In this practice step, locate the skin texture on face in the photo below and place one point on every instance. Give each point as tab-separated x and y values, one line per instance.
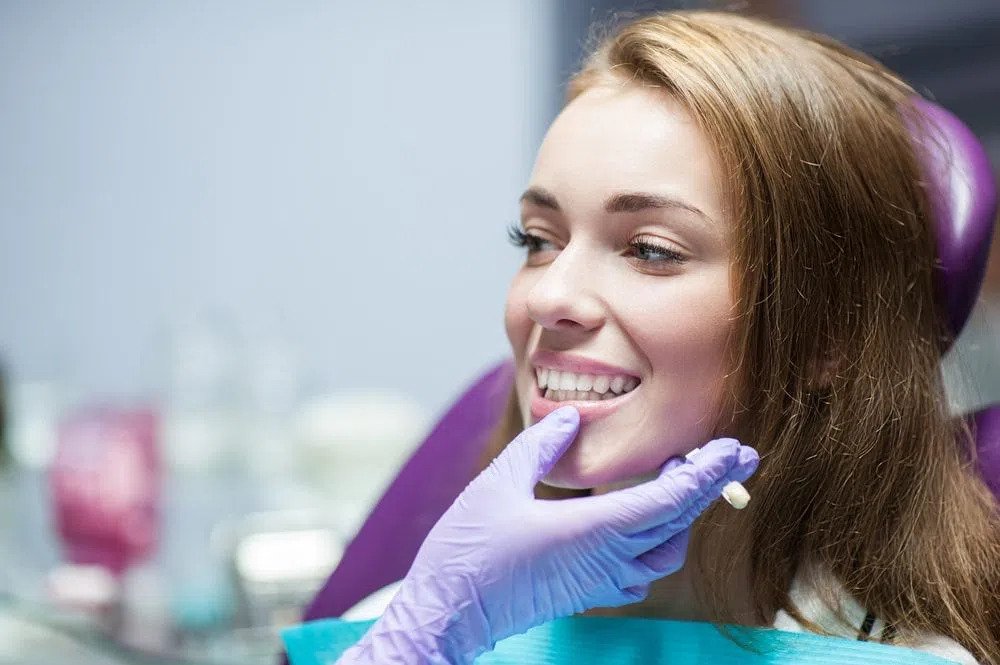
645	289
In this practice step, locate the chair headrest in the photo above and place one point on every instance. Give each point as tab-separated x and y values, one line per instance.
986	422
963	193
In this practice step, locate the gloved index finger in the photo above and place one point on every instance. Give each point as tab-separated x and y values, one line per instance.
678	489
530	456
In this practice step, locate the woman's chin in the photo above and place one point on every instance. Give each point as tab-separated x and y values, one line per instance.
576	471
566	481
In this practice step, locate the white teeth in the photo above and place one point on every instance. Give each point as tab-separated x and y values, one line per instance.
576	395
564	386
553	380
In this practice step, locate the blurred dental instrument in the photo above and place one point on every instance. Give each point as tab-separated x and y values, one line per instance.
353	443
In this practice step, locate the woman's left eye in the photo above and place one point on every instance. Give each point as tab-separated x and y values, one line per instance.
651	252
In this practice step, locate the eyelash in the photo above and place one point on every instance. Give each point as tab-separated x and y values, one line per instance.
520	238
533	243
671	255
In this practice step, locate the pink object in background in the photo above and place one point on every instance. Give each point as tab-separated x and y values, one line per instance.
104	483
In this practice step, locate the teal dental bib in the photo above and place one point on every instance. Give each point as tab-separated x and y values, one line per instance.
617	641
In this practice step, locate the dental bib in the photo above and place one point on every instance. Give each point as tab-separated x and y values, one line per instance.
619	640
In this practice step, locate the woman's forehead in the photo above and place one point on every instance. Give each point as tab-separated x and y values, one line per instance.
621	139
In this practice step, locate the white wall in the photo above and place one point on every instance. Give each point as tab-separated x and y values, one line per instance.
337	175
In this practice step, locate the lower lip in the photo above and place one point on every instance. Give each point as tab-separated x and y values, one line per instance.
590	410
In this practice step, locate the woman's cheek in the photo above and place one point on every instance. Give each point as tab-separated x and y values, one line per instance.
516	320
518	325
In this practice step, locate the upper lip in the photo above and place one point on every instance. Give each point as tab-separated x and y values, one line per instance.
568	362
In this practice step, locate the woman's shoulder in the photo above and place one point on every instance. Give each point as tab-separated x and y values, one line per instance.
846	618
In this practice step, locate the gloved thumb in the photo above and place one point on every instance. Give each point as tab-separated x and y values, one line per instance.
530	457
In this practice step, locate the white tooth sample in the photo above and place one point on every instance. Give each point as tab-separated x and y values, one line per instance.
618	384
736	495
601	383
554	379
567	381
549	393
543	377
630	383
585	382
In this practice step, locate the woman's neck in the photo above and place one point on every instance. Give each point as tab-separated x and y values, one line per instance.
672	597
676	596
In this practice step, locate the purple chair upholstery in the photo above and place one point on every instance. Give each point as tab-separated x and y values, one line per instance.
964	195
986	427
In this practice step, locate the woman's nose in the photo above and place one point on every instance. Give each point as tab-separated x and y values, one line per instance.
562	298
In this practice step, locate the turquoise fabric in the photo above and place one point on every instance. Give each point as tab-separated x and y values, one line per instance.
617	641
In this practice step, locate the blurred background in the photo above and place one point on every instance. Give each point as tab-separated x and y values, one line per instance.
249	251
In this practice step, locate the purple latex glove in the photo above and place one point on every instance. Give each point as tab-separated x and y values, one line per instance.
500	561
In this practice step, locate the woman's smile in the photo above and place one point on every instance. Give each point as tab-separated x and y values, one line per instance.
595	388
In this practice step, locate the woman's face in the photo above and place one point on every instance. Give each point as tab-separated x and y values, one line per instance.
623	306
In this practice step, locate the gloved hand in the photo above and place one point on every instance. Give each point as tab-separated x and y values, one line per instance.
499	561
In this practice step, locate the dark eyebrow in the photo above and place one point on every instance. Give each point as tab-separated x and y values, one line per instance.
638	201
622	202
541	198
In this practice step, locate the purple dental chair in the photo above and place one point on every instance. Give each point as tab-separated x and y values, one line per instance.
965	198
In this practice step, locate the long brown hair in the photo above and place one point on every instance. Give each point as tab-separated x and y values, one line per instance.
836	376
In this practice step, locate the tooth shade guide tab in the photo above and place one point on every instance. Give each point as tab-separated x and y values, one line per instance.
734	493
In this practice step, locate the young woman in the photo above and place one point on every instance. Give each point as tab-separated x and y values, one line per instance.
726	234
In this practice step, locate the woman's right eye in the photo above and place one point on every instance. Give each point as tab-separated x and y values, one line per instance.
528	240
